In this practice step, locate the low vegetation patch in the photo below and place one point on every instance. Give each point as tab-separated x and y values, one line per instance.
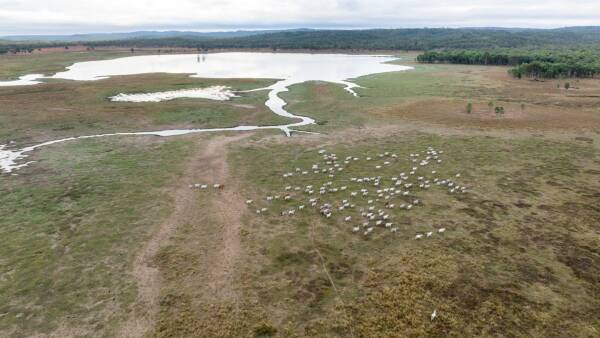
69	229
498	269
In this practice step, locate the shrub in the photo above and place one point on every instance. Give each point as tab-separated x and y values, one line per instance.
264	330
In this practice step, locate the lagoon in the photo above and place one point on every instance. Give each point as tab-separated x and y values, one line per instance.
287	68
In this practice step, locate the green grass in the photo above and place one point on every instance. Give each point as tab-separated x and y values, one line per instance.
69	231
333	107
66	108
519	257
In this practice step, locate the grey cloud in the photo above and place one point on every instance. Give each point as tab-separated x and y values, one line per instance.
76	16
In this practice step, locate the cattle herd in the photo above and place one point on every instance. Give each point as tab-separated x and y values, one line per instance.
333	189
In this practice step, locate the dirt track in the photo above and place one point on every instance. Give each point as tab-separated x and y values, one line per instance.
207	165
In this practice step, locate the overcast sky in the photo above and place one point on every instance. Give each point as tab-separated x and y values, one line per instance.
85	16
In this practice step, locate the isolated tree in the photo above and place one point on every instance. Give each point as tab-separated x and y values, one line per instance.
499	110
567	85
469	108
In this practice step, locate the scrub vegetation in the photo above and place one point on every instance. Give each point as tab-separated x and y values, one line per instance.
506	264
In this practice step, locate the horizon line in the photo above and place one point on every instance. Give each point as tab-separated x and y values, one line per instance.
242	29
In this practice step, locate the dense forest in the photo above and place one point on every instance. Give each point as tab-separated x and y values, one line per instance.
543	63
384	39
372	39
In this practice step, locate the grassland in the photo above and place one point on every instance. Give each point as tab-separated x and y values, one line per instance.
506	267
70	228
519	256
63	109
439	94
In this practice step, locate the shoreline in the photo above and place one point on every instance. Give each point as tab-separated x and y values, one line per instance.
182	50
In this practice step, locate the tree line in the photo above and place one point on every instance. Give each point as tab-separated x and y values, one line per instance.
370	39
16	48
543	63
383	39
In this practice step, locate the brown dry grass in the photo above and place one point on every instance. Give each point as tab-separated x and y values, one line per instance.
503	270
528	104
453	113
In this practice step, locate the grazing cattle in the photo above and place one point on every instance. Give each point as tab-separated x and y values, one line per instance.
399	188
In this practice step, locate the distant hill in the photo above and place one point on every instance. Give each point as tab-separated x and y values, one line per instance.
368	39
390	39
95	37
